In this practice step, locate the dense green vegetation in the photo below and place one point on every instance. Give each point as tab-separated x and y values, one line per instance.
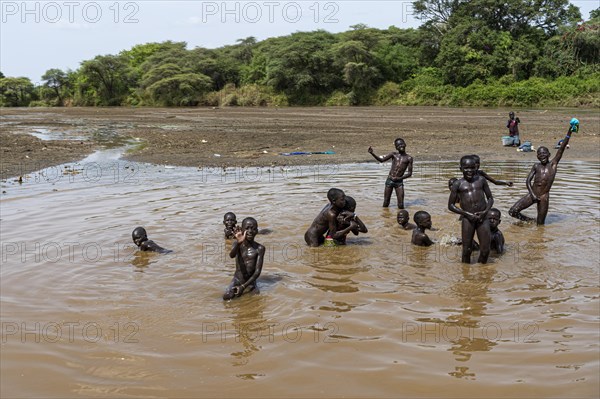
476	52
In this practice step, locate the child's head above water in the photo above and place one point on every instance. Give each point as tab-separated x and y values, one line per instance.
422	219
229	220
494	216
402	217
139	235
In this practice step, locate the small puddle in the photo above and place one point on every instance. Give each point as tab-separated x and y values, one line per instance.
48	135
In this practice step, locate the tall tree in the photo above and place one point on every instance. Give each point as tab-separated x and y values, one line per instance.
108	77
16	92
57	82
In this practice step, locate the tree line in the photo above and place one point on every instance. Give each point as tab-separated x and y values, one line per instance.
466	52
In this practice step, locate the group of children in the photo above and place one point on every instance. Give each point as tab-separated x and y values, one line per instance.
338	218
335	221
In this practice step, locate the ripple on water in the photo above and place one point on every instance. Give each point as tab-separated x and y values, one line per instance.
367	310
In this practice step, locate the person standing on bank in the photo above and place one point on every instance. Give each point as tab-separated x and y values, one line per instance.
513	128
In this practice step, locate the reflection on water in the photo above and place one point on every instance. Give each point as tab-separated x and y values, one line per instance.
249	324
85	314
472	291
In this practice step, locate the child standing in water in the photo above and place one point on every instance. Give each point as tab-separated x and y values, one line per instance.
140	238
402	167
542	175
475	197
249	257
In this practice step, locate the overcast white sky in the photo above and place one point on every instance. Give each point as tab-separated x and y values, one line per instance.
38	35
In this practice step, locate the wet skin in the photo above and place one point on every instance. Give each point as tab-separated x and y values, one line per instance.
419	237
539	182
326	221
229	220
349	222
475	197
402	168
249	257
403	219
497	243
140	238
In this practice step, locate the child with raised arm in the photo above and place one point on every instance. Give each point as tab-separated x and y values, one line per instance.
402	167
488	177
140	238
540	180
249	256
348	221
497	240
419	237
230	222
475	197
326	220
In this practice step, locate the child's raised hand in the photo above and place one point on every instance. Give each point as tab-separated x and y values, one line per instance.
370	150
240	235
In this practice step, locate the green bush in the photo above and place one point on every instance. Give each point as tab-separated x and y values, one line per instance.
568	91
388	94
338	98
250	95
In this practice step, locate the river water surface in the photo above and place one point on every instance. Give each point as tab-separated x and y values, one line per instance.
84	314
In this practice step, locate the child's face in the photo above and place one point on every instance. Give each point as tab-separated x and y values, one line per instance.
139	236
543	155
426	222
402	218
469	168
400	145
494	218
251	230
340	201
229	221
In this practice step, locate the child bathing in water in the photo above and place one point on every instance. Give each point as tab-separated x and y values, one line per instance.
348	221
419	237
140	238
249	256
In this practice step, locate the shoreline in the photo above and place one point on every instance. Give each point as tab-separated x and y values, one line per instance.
239	137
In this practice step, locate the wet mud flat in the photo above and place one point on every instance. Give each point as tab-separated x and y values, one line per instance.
259	136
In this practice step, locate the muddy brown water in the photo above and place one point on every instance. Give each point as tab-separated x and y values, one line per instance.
84	314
